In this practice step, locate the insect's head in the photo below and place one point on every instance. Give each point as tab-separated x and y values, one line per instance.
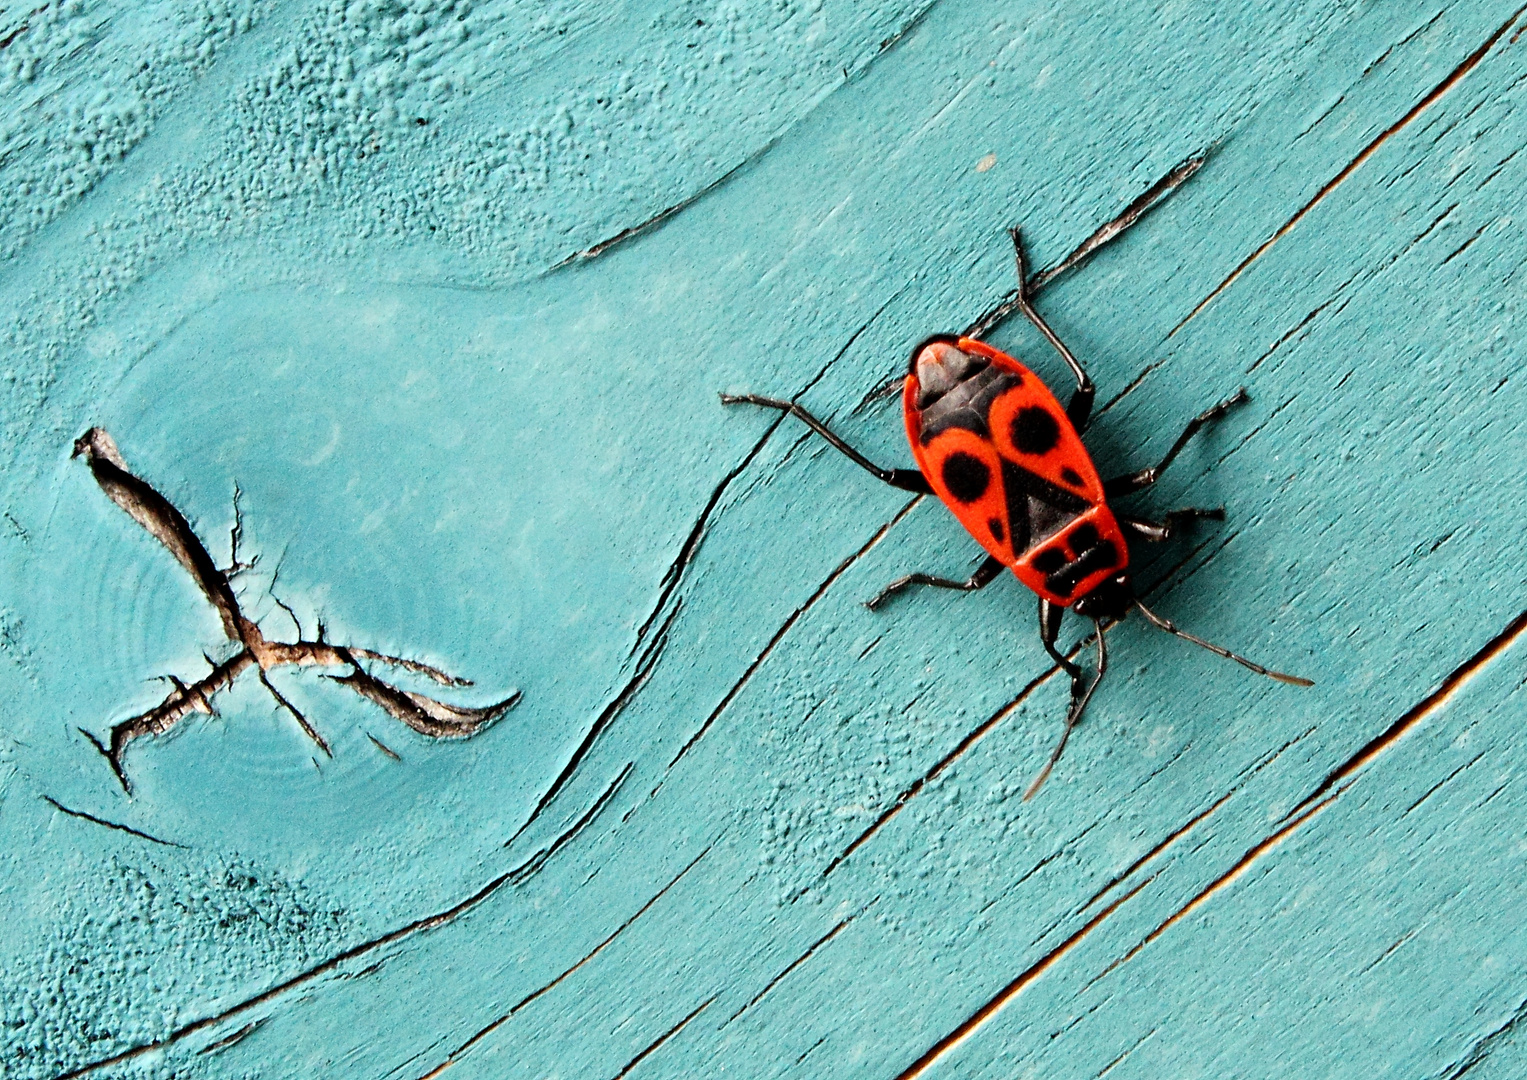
1110	600
940	366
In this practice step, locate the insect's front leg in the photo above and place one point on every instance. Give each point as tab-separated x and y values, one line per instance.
906	479
1133	482
1079	408
985	574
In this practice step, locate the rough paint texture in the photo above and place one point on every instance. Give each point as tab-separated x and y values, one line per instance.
448	291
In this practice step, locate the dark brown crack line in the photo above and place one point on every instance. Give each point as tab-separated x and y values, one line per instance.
1153	196
1310	808
61	808
607	715
228	1040
756	156
535	862
691	546
1437	92
512	877
968	1026
1481	1049
418	926
456	1054
1328	792
1413	716
799	960
661	1039
912	789
784	628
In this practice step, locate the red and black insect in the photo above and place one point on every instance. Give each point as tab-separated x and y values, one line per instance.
994	444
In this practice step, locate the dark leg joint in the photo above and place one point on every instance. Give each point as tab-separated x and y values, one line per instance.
1133	482
985	574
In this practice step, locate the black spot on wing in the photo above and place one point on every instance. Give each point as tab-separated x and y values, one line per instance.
1034	430
1071	476
1049	560
967	477
998	530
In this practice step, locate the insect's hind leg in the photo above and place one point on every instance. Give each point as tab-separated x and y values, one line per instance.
1050	616
906	479
1081	690
1139	481
1176	521
985	574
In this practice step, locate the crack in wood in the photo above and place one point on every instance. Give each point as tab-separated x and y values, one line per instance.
1481	1049
798	961
1152	197
161	520
644	668
690	548
1437	92
1386	739
633	231
61	808
514	877
784	628
663	1038
456	1054
1324	795
978	1019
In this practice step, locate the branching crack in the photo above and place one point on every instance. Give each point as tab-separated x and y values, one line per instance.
162	521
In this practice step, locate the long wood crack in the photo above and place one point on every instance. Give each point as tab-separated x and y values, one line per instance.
1337	783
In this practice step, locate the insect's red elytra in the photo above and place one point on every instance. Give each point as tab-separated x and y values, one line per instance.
1010	465
999	450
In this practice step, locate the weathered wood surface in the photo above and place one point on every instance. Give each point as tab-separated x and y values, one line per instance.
352	259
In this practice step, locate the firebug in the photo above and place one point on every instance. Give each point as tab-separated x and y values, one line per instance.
996	447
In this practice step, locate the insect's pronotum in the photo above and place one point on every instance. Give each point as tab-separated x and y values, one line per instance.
253	650
993	443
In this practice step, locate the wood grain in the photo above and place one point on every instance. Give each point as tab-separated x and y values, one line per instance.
449	293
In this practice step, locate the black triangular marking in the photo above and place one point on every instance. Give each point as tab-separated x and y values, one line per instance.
1036	508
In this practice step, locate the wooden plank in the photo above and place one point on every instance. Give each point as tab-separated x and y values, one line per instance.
799	841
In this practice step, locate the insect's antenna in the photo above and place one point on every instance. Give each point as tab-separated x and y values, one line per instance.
1165	624
1073	716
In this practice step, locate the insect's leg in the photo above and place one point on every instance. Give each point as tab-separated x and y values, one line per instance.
1175	521
1079	408
1133	482
985	574
1074	713
906	479
1050	616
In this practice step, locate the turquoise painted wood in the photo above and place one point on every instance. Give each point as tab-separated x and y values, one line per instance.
358	263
